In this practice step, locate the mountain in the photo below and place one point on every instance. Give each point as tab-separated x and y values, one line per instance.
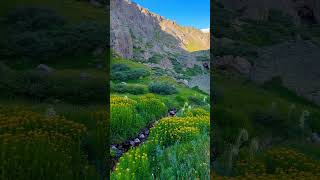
137	33
302	11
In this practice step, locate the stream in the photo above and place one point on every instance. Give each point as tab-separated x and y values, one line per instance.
122	148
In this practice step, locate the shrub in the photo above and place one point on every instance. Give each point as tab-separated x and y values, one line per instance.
129	116
197	112
124	121
67	87
120	67
169	131
162	88
129	88
151	108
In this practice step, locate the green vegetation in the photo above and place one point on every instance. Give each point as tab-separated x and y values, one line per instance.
249	116
167	150
53	118
162	88
171	139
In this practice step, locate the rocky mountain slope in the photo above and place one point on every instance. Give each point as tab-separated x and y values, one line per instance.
137	33
269	45
303	11
297	63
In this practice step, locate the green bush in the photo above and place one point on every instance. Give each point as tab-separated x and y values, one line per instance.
129	116
121	72
162	88
120	67
151	108
41	86
129	88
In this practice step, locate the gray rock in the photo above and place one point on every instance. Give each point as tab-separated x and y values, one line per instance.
45	68
315	137
132	143
117	151
183	81
241	65
146	132
137	141
141	136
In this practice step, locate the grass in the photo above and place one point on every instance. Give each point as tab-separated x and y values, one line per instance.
74	11
238	104
168	150
73	143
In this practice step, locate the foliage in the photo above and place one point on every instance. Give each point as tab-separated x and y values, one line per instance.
129	116
129	88
133	165
42	34
170	156
162	88
64	86
151	108
121	72
185	160
168	131
33	145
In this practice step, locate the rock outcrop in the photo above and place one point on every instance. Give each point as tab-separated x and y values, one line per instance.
296	63
239	64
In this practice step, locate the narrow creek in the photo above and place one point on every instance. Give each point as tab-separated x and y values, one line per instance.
124	147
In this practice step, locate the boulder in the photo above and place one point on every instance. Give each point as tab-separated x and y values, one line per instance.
315	138
183	81
146	132
137	141
241	65
141	136
45	68
117	151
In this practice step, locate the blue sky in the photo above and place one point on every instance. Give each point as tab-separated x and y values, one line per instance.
194	13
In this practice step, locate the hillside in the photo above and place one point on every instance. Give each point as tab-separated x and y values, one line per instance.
266	108
53	92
